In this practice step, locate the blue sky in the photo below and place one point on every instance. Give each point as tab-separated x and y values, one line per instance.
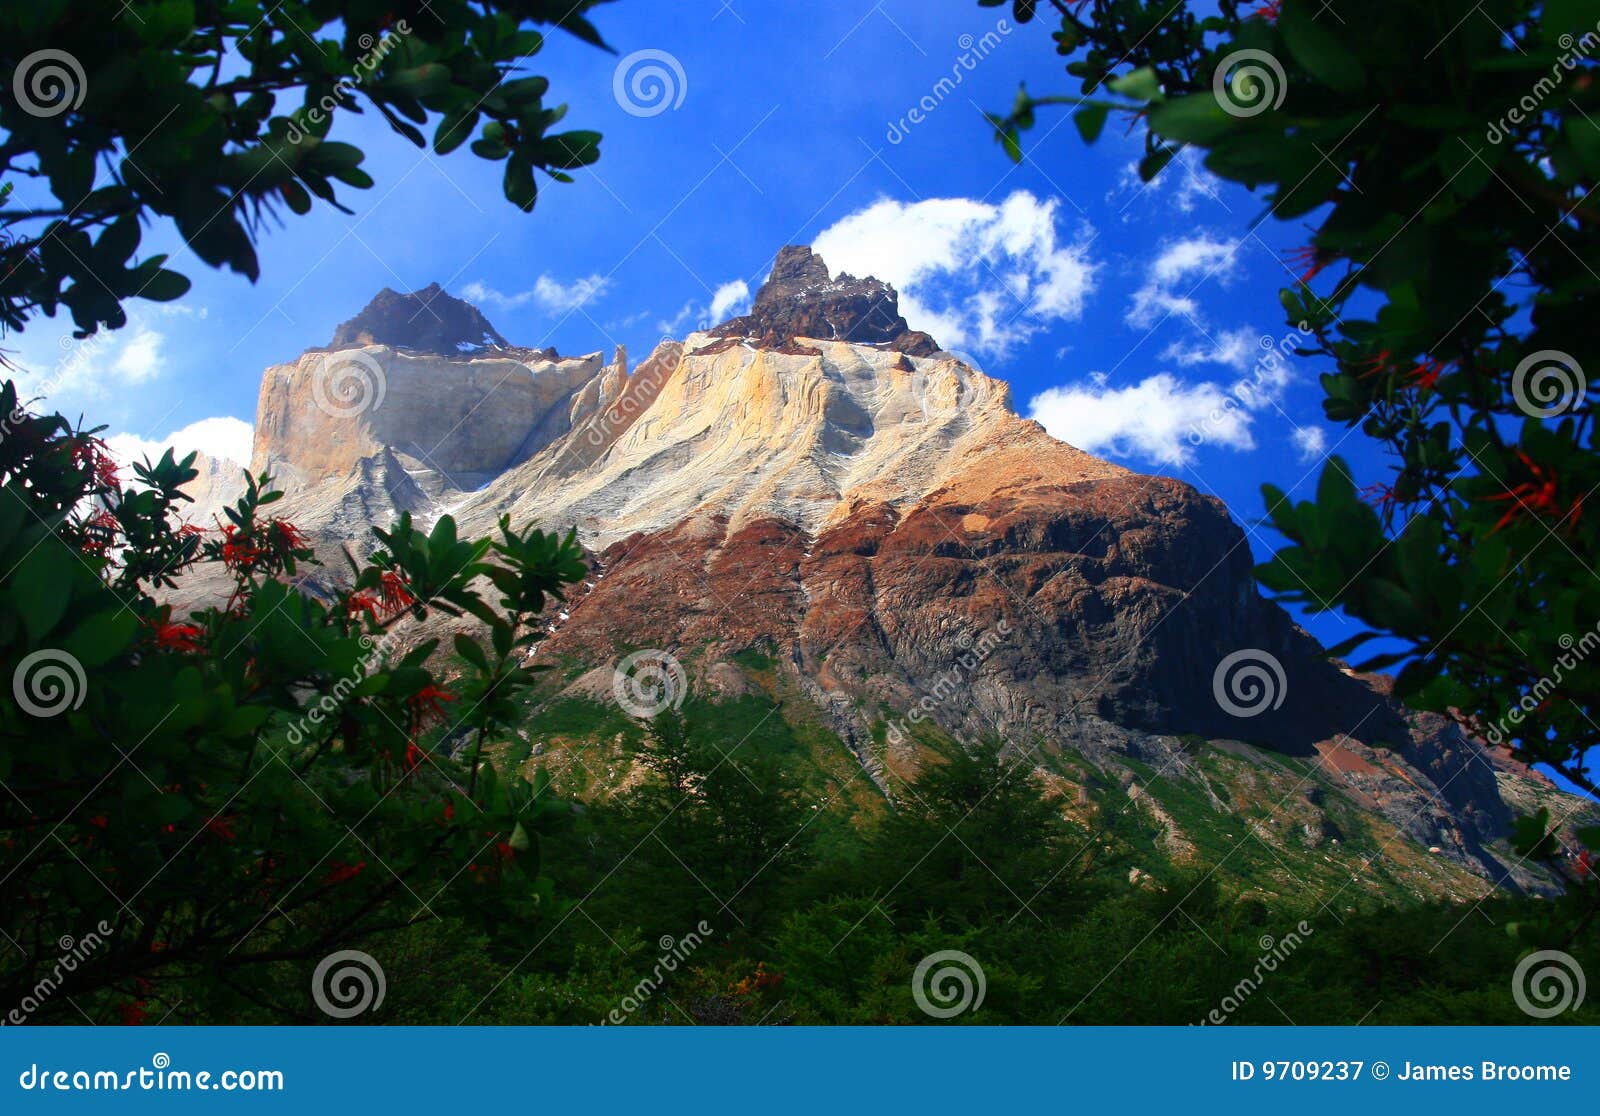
1121	314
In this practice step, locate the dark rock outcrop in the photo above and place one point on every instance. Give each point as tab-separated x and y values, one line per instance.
802	299
429	321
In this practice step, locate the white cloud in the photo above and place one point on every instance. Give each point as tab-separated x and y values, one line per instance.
690	316
222	437
548	293
1166	419
1175	274
1161	418
1185	181
65	371
1236	349
730	301
976	276
1310	441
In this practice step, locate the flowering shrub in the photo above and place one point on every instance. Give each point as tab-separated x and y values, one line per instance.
263	781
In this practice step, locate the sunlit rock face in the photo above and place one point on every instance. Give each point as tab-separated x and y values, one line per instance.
819	483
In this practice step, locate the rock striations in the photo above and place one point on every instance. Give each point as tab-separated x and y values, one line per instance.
818	484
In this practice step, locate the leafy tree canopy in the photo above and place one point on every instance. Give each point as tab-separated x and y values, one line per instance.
1447	166
216	115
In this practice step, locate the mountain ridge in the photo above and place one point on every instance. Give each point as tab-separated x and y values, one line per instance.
854	509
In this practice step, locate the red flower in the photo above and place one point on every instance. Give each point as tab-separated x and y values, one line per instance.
1313	259
1539	496
1584	864
133	1013
396	592
1378	495
449	811
222	827
190	531
100	533
343	873
99	821
505	850
1269	11
427	704
91	454
178	637
414	756
1427	373
290	534
357	603
238	553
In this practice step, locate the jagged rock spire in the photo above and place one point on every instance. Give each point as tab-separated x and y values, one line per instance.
801	298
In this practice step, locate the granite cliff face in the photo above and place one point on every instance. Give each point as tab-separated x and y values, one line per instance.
818	486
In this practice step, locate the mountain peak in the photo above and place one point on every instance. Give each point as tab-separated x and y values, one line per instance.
428	320
802	298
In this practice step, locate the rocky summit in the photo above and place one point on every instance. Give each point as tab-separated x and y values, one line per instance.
816	507
801	298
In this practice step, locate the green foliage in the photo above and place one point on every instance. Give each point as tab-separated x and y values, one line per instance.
1057	937
1457	226
217	117
251	788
